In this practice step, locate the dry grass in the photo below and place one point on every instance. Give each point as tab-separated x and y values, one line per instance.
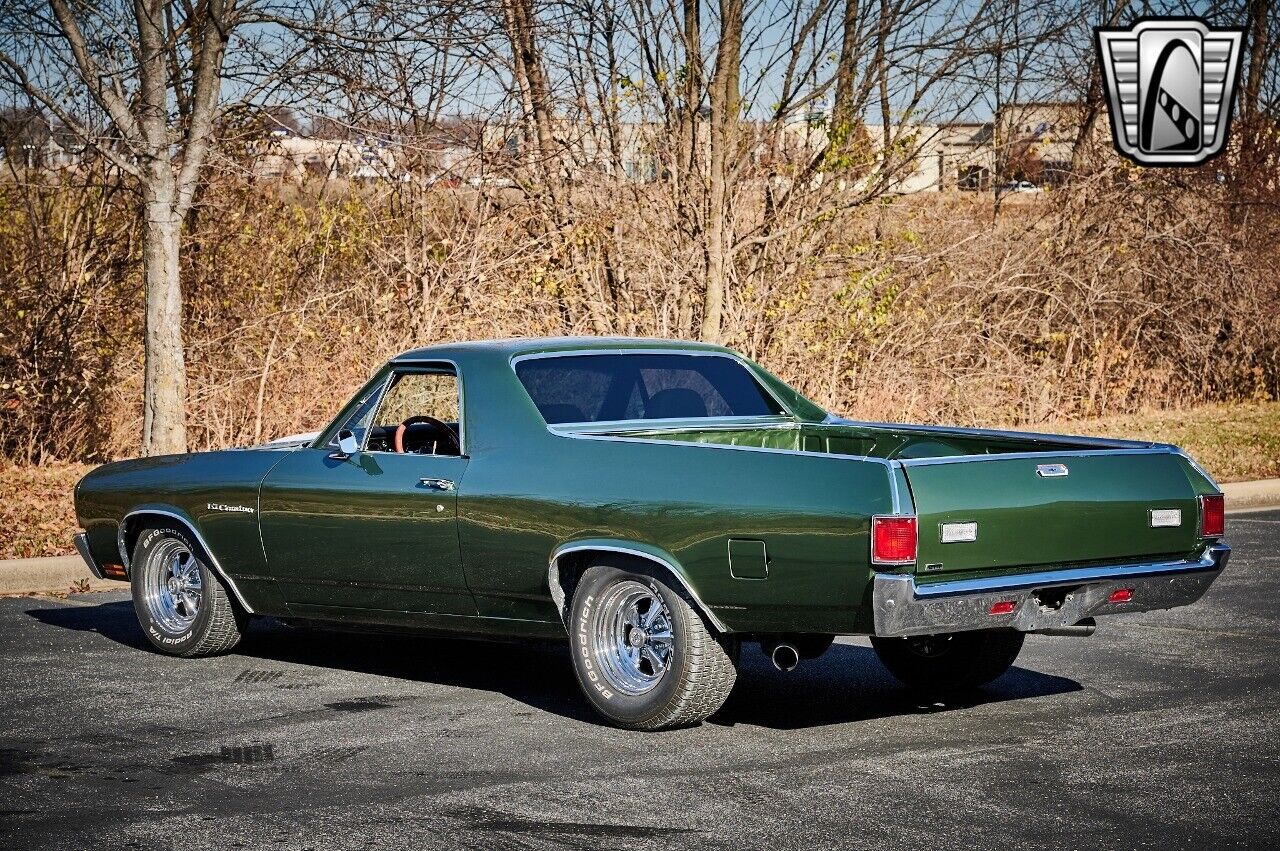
1233	442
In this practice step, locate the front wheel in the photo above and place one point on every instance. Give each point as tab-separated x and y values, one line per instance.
643	656
179	601
950	662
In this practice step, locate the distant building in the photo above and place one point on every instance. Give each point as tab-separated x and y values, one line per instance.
284	156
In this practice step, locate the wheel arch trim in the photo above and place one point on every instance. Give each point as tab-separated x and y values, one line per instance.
174	513
645	552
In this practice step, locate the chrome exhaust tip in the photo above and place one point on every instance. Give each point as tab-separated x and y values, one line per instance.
785	657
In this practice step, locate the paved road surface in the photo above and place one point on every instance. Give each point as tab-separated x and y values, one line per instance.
1161	731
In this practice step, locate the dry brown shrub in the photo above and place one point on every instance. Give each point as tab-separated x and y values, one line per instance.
1124	291
37	517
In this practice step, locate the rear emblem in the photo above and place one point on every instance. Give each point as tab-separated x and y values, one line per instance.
954	533
1051	471
1165	517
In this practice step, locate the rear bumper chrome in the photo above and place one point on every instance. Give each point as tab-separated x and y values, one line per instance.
82	547
1043	600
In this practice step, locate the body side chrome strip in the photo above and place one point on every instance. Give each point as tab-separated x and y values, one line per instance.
195	533
557	591
1069	576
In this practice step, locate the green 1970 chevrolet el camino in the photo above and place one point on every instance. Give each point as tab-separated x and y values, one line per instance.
662	503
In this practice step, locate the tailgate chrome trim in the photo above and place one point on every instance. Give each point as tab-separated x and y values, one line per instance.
901	607
1069	576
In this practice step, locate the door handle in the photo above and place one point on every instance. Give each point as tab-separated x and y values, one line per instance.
438	484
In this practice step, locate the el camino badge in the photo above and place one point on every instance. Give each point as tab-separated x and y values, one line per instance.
239	509
1051	471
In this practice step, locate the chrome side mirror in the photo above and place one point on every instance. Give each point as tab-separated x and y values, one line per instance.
347	445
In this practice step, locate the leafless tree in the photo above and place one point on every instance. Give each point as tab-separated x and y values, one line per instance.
140	84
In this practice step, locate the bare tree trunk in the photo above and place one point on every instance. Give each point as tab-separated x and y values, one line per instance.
164	428
726	104
691	94
1259	12
842	110
519	20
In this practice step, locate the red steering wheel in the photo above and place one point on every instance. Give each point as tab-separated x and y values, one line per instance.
443	434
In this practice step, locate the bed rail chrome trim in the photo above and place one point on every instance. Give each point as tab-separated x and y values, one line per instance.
1030	456
901	607
195	533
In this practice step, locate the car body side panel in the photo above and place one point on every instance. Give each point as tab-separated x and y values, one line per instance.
529	491
212	489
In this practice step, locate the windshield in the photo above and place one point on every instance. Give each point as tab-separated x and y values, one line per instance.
634	386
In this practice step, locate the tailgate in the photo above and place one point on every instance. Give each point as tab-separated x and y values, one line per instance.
1047	509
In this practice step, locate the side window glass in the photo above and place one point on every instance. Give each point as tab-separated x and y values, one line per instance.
415	394
419	414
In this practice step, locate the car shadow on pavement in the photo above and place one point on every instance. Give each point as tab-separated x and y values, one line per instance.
847	684
115	620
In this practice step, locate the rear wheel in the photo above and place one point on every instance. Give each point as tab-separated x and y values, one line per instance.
180	603
949	662
643	656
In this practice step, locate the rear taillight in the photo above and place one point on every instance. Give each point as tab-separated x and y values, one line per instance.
1213	517
893	540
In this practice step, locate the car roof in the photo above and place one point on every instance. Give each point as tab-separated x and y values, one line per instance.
515	347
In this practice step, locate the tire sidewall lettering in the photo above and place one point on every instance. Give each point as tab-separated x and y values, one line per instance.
584	649
159	636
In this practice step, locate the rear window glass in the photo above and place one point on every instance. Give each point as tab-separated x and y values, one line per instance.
608	388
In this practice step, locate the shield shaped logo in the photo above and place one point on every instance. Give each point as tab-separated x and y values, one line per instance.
1170	84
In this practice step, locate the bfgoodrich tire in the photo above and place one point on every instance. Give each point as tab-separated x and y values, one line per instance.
181	604
643	656
952	662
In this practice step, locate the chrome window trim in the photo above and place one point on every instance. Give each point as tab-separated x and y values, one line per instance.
557	591
335	426
195	533
654	350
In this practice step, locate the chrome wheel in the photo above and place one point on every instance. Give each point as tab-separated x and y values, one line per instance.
632	638
174	589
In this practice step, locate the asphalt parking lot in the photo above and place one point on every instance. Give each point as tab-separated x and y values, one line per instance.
1158	732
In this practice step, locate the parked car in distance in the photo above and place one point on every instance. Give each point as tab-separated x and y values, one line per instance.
1014	186
660	504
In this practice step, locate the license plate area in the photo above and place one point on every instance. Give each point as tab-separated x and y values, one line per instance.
1052	599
